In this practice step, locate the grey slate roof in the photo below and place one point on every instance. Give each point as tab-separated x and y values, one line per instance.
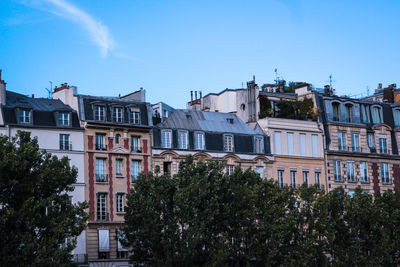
206	121
15	100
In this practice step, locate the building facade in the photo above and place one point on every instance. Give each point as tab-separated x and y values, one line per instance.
57	129
209	136
361	143
117	149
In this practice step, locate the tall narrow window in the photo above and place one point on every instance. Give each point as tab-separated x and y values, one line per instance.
371	140
63	118
305	177
183	139
24	116
100	142
385	173
355	142
135	144
349	113
199	140
166	138
122	252
100	170
302	144
134	117
64	142
396	114
120	202
99	113
376	115
228	143
259	144
314	144
229	169
280	178
118	167
102	214
117	114
318	179
260	171
290	143
135	170
104	243
342	140
117	139
293	178
336	111
365	113
383	145
337	170
350	171
363	172
277	143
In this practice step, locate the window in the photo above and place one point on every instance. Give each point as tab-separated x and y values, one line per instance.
355	142
342	140
396	115
229	169
337	170
318	179
314	144
371	140
135	144
117	114
118	167
290	143
363	172
135	170
280	178
134	117
122	252
100	142
383	145
365	113
64	142
104	244
302	144
385	173
293	178
166	138
277	142
199	140
102	214
260	171
165	113
182	139
376	115
351	193
24	116
336	111
99	113
167	165
305	177
349	113
120	202
63	118
259	144
100	170
228	143
117	139
350	171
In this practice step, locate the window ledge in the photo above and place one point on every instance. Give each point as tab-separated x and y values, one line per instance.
120	212
101	182
119	176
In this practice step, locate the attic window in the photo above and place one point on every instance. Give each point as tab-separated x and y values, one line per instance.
230	120
188	116
24	116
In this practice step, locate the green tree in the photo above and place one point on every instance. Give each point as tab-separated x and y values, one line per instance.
36	216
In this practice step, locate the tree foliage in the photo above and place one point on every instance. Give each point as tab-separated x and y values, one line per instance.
203	217
36	215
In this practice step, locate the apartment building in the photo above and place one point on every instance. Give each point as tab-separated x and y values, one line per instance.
57	129
210	136
117	149
361	143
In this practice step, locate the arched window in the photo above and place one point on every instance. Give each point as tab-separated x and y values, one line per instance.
396	115
349	113
117	139
336	111
376	114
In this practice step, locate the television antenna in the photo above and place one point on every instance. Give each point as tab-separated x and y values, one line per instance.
331	81
50	91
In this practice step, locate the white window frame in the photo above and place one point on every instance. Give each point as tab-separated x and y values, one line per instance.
317	178
293	178
135	143
385	174
135	170
64	119
342	140
101	206
350	171
229	169
260	171
280	177
104	240
383	147
337	170
396	116
314	145
101	170
120	202
166	138
24	116
364	171
183	139
199	142
118	167
64	142
259	144
277	143
355	142
290	143
99	113
134	117
371	140
305	176
228	143
302	143
376	114
118	114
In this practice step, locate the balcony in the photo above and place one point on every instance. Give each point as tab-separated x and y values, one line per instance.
101	178
103	216
101	147
66	146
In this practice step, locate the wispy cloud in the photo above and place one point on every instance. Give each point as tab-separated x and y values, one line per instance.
96	29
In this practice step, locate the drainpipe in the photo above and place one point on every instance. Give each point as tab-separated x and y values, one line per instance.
325	158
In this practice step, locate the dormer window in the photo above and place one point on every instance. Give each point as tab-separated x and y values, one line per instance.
228	143
24	116
117	114
396	114
365	113
376	115
99	113
349	112
63	119
166	138
259	144
230	120
134	117
183	139
336	111
199	140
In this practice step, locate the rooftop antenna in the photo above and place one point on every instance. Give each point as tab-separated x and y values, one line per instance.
50	91
330	80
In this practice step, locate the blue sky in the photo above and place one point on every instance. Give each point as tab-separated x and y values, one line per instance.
171	47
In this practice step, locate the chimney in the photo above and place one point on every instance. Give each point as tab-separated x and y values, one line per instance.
2	91
379	86
388	94
327	90
195	95
191	96
33	96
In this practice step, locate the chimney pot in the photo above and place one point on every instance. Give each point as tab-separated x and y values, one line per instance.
33	96
195	95
191	96
380	86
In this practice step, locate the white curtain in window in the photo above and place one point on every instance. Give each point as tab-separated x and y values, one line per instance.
314	144
104	240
